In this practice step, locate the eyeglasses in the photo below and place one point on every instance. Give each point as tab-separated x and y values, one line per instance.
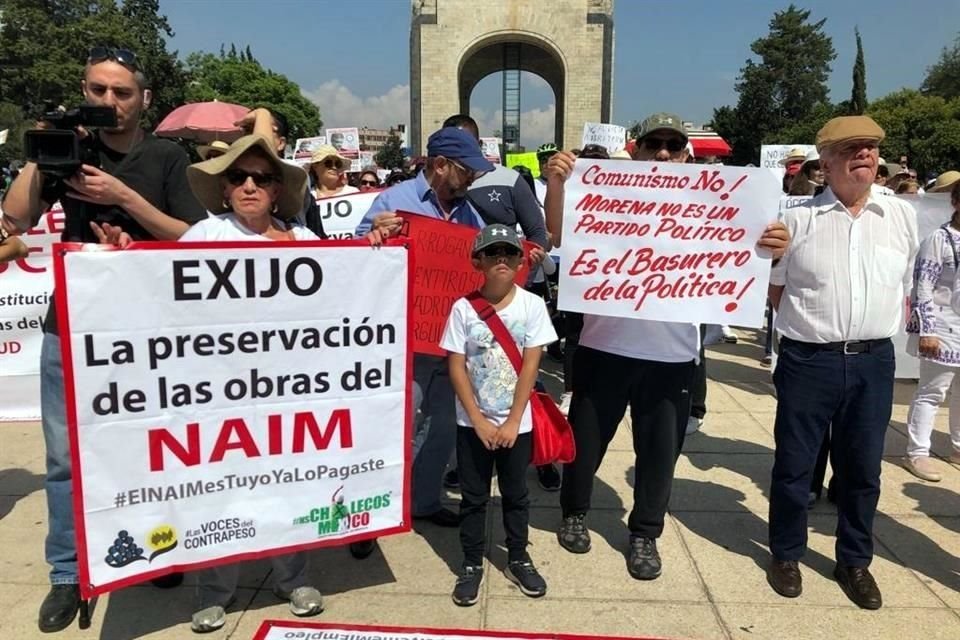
501	252
673	145
334	163
123	56
470	174
369	183
238	177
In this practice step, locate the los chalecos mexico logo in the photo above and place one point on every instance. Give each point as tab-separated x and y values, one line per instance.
343	515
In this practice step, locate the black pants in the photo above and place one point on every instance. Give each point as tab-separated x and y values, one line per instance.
698	388
657	393
573	325
475	463
852	396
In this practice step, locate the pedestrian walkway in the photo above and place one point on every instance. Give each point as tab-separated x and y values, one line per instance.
713	548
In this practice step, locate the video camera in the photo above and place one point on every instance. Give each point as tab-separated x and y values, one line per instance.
60	151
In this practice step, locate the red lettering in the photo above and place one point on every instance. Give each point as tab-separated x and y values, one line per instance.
244	440
159	438
305	421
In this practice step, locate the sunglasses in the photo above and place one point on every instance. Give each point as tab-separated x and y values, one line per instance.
123	56
595	152
238	177
368	183
501	252
334	163
673	145
469	173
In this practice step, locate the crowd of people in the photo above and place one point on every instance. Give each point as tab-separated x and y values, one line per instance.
841	264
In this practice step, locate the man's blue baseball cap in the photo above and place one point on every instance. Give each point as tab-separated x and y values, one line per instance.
457	144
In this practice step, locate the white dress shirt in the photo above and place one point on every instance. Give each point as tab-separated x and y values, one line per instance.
845	276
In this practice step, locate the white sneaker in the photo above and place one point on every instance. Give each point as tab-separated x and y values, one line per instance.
209	619
728	335
304	601
694	424
565	402
923	467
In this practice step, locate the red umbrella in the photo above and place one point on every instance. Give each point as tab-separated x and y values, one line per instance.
708	143
203	122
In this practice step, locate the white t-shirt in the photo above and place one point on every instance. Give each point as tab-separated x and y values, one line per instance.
642	339
345	190
492	376
226	227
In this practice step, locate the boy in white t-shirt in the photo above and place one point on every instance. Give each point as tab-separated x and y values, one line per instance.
493	409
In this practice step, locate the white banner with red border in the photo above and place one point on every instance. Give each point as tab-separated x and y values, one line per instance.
307	630
668	242
26	288
341	214
229	401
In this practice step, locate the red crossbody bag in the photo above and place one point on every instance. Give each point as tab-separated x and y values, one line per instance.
552	434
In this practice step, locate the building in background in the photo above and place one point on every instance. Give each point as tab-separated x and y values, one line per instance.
375	139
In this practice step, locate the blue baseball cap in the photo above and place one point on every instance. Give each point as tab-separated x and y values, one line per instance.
457	144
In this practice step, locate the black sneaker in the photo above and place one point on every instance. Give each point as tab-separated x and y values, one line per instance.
644	561
523	574
548	477
467	590
451	479
573	534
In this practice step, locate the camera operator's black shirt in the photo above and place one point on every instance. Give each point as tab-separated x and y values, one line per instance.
155	168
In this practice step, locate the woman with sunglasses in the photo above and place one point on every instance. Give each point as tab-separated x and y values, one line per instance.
369	180
328	170
254	196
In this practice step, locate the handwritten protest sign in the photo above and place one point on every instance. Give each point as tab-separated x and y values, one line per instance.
308	630
772	154
491	149
305	147
346	141
443	274
670	242
26	286
341	214
611	136
227	401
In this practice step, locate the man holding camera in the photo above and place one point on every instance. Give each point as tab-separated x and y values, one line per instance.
139	186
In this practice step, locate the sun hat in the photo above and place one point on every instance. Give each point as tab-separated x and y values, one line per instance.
812	156
204	177
217	145
945	182
843	128
797	154
324	151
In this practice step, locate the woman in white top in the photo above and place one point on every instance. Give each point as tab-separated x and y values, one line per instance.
253	194
328	169
934	329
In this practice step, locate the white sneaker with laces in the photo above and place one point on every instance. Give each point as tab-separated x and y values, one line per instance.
564	404
304	601
694	424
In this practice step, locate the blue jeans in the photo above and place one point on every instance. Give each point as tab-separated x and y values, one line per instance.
852	395
433	379
61	544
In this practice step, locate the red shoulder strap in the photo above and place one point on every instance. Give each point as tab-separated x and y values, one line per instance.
500	332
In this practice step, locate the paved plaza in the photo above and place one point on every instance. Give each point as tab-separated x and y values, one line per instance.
714	549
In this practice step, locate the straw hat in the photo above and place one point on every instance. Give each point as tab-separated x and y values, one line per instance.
944	182
217	145
204	178
796	154
324	151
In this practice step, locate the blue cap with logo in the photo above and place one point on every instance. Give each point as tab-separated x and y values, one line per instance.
457	144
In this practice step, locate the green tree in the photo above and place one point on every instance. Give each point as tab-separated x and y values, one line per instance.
784	87
44	45
11	118
924	128
391	155
858	96
943	78
230	78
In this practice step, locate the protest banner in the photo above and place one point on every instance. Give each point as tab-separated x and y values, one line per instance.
305	630
611	136
772	154
228	401
491	149
443	274
528	160
305	147
341	214
665	241
26	287
346	141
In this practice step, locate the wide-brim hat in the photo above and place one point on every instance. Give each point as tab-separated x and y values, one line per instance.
797	154
325	151
945	182
812	156
217	145
204	178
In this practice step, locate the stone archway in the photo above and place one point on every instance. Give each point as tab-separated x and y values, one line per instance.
456	43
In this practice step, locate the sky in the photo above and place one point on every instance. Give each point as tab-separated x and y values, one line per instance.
351	57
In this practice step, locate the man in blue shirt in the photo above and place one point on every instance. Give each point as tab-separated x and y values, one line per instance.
454	161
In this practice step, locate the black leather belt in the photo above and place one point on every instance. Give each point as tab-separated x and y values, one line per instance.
849	347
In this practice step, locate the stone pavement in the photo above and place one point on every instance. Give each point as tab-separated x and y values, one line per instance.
714	550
